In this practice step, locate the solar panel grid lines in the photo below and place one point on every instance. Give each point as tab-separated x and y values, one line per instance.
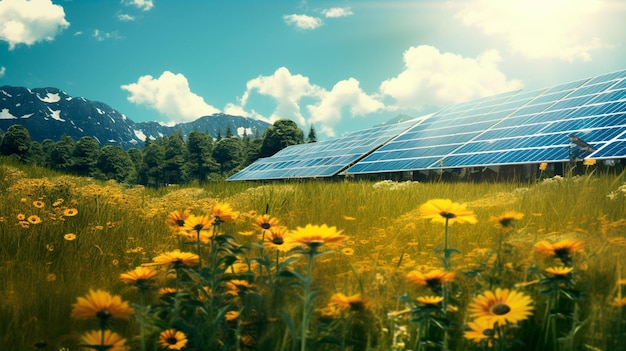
321	159
516	127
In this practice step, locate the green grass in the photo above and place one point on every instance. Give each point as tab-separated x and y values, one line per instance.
118	228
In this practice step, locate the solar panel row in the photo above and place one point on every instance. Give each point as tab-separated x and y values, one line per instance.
516	127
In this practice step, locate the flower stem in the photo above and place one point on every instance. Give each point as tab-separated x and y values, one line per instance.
307	299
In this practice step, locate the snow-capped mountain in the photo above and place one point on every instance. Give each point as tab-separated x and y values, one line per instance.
48	113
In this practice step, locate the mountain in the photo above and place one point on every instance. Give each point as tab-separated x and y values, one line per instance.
48	113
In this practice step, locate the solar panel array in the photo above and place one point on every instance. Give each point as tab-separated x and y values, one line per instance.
518	127
321	159
513	128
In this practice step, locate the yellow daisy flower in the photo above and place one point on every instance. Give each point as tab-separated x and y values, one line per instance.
444	210
315	236
222	212
39	204
176	220
95	338
354	302
564	250
432	279
69	236
480	330
501	306
177	259
138	276
265	222
197	224
70	212
559	271
34	219
507	219
618	302
172	339
100	304
429	300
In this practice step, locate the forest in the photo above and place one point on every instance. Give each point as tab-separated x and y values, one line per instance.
167	160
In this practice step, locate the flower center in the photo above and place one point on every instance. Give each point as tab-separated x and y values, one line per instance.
265	226
171	341
501	309
448	215
180	222
278	241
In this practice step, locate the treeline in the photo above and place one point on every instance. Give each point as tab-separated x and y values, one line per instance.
162	161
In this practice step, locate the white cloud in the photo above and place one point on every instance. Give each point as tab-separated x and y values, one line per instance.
29	22
434	78
170	95
345	95
303	21
337	12
539	29
145	5
3	71
286	89
124	17
100	35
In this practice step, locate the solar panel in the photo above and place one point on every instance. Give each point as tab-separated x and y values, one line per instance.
518	128
321	159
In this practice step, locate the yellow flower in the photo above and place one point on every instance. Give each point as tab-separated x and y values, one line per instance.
34	219
21	217
444	210
278	238
176	220
348	251
57	202
432	279
95	338
563	250
24	224
70	212
589	162
618	302
172	339
69	236
502	306
178	259
51	277
543	166
480	329
236	287
222	212
354	302
231	315
39	204
314	235
559	271
429	300
507	219
265	222
138	276
197	224
100	304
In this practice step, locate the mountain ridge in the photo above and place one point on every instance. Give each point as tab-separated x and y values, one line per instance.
49	113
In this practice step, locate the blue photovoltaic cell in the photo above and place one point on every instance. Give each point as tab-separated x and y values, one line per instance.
526	127
517	127
320	159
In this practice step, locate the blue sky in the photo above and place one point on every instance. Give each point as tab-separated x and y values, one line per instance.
338	65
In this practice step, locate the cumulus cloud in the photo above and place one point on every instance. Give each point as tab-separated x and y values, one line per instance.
170	95
538	29
303	21
286	89
434	78
145	5
30	21
3	71
337	12
345	95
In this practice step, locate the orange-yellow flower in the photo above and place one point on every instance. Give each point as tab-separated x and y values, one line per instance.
432	279
172	339
501	306
429	300
265	222
197	225
480	329
178	259
39	204
507	219
237	286
138	276
176	220
563	250
223	212
618	302
354	302
445	211
559	271
104	338
100	304
34	219
69	236
315	235
70	212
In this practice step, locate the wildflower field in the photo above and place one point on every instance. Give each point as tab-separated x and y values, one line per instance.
315	265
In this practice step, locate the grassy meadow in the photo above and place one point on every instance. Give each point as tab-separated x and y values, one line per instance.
61	236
